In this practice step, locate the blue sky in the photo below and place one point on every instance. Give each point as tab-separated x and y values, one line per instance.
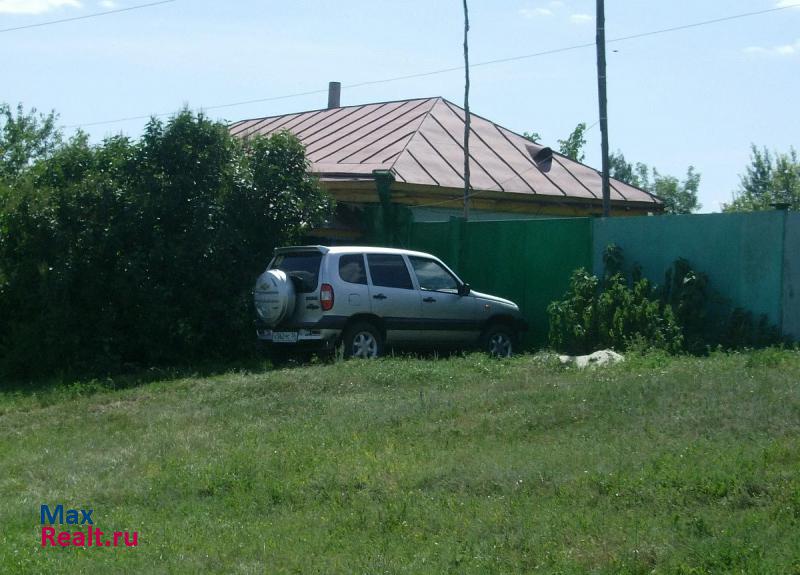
697	96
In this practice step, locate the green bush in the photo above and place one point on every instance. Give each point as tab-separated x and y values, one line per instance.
145	252
631	313
707	319
616	316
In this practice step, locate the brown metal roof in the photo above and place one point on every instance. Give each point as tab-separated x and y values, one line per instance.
420	141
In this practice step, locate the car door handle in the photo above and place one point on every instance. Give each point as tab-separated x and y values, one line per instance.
429	299
379	296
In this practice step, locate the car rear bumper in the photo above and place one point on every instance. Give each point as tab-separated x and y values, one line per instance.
278	336
323	333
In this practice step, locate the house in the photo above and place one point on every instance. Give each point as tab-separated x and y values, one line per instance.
390	163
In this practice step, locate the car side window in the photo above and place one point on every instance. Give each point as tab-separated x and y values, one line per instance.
432	276
352	269
389	270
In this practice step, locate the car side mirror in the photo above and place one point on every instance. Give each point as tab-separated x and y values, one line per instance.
463	289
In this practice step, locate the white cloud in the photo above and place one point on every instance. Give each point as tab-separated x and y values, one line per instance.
784	50
108	4
580	18
788	49
34	6
535	12
787	3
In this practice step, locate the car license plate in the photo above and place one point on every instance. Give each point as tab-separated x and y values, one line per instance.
284	336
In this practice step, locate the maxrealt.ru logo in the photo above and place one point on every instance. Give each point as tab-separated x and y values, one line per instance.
91	537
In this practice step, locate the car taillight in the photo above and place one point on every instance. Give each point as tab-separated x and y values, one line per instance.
326	297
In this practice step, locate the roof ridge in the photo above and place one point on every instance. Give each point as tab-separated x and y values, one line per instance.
231	124
416	132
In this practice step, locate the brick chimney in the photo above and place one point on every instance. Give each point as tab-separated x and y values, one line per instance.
334	93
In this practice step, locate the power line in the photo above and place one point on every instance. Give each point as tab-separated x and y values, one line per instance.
86	16
454	68
217	107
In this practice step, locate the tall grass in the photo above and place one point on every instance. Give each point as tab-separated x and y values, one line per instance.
457	465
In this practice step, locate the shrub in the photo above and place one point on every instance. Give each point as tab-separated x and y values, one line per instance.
631	313
707	319
144	252
589	318
573	320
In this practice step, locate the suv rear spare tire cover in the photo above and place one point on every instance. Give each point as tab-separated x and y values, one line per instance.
274	297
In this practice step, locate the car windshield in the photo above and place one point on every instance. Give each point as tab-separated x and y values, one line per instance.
303	267
432	276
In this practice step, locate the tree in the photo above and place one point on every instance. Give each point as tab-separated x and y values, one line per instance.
768	179
532	136
572	147
25	137
145	251
680	197
633	174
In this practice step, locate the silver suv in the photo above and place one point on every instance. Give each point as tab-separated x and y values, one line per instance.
367	298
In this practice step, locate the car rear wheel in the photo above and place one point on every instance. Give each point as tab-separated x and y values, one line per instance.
499	341
363	340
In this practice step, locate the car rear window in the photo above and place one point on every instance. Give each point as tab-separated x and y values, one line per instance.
302	266
352	270
388	270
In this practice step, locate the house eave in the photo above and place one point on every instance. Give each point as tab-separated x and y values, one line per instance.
363	191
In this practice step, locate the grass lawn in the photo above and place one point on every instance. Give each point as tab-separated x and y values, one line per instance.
458	465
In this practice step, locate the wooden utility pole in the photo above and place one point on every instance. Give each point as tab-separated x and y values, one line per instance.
601	92
466	113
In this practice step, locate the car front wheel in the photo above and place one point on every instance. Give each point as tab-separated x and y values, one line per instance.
362	340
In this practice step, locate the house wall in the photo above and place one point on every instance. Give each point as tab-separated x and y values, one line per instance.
791	277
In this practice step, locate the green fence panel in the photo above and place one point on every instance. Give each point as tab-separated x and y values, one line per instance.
431	238
752	259
742	253
529	262
791	277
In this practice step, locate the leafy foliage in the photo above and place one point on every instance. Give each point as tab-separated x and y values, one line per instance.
572	147
707	318
680	197
145	252
532	136
612	314
24	138
625	311
768	179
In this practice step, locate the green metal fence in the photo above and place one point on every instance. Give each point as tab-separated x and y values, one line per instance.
790	306
741	253
529	262
752	259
